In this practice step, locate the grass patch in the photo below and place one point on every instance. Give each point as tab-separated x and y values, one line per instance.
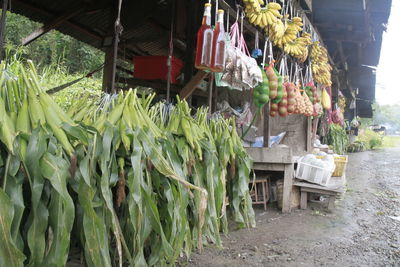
391	141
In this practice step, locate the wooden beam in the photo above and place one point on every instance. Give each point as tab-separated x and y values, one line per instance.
192	84
51	25
157	85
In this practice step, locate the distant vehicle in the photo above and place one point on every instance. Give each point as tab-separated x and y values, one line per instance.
378	128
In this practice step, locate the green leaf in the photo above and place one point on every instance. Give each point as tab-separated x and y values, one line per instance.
95	233
62	210
38	217
10	255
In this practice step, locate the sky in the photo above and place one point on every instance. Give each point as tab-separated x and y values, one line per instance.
388	72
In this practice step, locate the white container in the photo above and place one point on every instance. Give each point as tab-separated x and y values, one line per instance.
313	174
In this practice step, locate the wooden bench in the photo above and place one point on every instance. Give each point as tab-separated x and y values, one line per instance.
335	187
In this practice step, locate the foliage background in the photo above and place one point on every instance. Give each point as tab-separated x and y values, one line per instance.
53	48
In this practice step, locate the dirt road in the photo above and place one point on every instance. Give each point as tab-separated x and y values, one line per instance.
364	229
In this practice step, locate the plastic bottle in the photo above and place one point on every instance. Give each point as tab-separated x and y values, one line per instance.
204	41
219	41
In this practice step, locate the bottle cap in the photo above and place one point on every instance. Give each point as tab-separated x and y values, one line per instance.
220	11
207	4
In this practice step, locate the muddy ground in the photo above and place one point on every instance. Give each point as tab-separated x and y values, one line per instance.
363	230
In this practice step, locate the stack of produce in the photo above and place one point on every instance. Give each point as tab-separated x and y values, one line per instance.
261	92
291	93
273	80
283	104
312	92
115	183
309	109
300	106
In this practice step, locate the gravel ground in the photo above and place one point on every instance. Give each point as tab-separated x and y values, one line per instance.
363	230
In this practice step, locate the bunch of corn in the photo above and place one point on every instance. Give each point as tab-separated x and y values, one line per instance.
120	181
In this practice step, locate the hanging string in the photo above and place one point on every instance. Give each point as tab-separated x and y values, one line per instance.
271	54
265	52
256	41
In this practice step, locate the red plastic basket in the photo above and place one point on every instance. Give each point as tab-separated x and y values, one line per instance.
155	68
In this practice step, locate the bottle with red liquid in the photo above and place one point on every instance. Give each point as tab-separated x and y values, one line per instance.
204	41
218	49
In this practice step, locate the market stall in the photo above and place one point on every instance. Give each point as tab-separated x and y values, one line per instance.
224	89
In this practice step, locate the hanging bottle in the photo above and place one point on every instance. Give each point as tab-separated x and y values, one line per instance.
218	49
204	41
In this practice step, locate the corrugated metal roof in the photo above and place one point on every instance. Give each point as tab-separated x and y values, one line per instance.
95	22
357	27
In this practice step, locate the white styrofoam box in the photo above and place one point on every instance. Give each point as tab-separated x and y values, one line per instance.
313	174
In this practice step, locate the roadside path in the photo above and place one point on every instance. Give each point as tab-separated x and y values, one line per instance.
364	229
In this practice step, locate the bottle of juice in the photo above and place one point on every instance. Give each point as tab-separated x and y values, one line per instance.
218	49
204	41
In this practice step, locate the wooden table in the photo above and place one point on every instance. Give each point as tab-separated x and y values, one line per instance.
278	158
334	188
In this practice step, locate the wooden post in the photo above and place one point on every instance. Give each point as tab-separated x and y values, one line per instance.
3	26
267	126
287	188
193	24
210	92
309	135
108	69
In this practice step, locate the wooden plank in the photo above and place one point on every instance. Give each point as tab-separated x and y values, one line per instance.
287	188
310	186
192	84
319	191
269	166
51	25
276	154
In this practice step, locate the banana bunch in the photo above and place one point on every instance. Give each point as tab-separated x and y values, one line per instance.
299	47
263	17
291	29
320	64
253	6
